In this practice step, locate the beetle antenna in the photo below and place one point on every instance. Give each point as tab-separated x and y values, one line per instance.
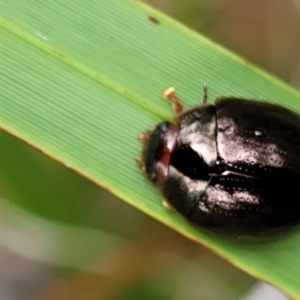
205	93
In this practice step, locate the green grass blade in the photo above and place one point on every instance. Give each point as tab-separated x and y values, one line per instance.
80	80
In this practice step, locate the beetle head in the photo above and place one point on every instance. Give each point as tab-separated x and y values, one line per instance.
158	146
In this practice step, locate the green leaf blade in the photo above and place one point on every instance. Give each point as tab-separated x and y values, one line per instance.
81	81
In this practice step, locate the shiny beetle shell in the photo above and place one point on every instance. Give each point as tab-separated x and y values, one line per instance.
231	167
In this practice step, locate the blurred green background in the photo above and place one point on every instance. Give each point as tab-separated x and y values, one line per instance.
103	248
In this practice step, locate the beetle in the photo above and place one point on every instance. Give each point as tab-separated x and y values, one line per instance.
231	167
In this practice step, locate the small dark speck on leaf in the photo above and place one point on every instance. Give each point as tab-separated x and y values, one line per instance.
153	20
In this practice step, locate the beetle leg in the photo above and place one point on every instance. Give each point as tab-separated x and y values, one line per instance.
170	95
145	136
140	162
205	93
167	205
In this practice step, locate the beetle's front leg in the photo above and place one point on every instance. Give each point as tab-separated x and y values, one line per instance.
170	95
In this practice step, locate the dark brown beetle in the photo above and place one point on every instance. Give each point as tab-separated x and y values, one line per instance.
231	167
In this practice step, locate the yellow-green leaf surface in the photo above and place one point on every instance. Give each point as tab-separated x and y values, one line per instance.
80	80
